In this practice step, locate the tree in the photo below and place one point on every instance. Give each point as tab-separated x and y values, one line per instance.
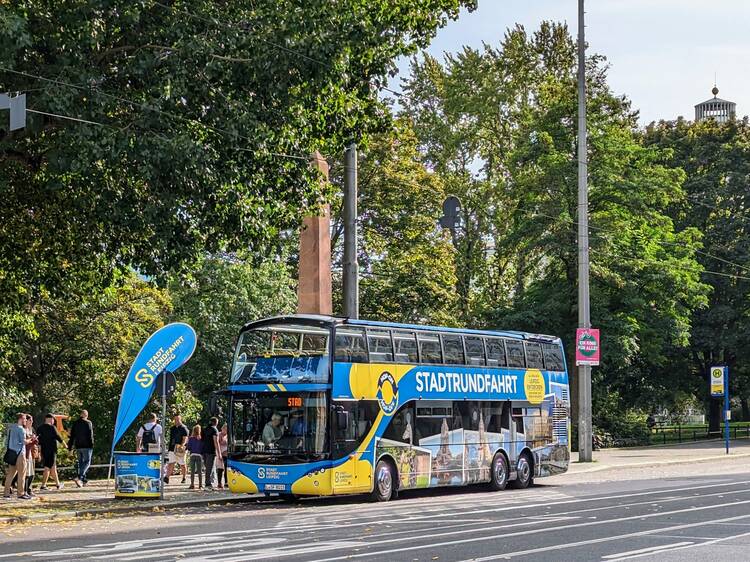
499	127
80	348
716	160
186	127
217	299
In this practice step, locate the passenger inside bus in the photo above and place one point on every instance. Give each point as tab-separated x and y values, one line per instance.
273	430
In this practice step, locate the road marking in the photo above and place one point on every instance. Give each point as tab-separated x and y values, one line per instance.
201	540
607	539
649	550
278	552
707	543
546	530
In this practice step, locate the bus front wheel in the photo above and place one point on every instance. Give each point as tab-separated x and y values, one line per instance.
499	476
384	480
524	473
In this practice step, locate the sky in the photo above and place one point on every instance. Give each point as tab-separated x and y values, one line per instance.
663	54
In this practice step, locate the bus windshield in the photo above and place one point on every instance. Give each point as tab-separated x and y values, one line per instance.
285	353
284	424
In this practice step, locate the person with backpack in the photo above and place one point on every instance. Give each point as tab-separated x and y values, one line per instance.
149	434
82	438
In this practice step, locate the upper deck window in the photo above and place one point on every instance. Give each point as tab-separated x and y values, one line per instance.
350	345
429	348
495	352
553	357
285	353
516	357
405	346
474	350
380	344
534	356
453	349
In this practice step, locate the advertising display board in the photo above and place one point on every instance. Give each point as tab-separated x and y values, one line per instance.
137	475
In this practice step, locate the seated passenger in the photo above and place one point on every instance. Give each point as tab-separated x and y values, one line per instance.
273	431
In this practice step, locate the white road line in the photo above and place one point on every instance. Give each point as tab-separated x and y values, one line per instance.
648	550
707	543
605	539
545	530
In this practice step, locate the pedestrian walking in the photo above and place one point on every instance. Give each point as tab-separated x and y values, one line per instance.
149	435
211	450
49	437
32	454
178	437
82	439
221	467
15	458
195	448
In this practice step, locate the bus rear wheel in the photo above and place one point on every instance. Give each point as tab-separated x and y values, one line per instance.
524	474
499	474
384	479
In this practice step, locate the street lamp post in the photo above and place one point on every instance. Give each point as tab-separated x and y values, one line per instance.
585	435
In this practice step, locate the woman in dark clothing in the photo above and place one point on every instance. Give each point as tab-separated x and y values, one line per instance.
49	437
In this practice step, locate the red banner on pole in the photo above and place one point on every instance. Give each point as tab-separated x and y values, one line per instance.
587	346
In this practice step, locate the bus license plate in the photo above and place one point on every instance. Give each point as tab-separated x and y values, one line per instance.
276	487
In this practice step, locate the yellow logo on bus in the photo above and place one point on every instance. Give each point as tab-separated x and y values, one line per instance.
387	393
533	385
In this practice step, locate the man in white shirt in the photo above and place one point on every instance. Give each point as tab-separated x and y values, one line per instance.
149	436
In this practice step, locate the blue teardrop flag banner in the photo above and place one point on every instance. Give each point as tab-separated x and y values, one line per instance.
168	349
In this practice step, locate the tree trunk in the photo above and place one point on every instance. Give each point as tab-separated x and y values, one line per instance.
745	408
714	416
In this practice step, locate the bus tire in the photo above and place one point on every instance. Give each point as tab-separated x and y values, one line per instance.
385	479
524	472
499	472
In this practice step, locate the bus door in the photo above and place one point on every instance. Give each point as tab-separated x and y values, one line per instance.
353	457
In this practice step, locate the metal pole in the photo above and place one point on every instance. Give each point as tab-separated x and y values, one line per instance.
727	412
585	435
163	420
351	267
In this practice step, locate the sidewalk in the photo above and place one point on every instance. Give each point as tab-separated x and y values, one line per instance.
97	499
656	455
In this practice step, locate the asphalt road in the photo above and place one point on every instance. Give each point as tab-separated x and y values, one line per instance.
693	517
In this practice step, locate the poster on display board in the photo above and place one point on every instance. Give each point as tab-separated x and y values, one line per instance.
587	346
137	475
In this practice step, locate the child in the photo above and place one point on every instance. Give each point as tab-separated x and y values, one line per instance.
195	448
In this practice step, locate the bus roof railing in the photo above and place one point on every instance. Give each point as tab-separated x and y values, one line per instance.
320	319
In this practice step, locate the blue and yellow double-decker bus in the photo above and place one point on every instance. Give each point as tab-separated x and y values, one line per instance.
320	405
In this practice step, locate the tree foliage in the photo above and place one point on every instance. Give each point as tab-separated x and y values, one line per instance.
498	125
716	159
207	112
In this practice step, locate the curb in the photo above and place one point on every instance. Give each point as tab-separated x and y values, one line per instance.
65	515
647	464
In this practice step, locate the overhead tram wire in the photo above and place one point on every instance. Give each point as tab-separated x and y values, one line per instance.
147	107
70	118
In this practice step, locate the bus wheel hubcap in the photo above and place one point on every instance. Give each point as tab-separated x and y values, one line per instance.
384	481
499	471
523	469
